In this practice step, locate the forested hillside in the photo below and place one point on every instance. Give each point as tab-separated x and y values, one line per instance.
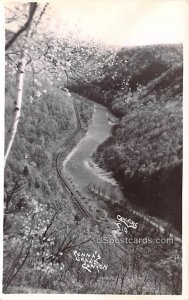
82	216
143	87
36	206
40	228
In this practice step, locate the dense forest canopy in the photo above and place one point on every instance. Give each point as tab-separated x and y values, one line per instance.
144	88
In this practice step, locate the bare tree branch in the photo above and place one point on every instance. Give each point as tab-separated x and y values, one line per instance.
32	10
41	14
50	223
71	68
67	78
22	263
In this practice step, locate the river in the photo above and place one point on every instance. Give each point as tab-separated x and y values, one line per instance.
84	172
79	164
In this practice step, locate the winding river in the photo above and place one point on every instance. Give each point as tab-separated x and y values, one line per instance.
79	164
85	172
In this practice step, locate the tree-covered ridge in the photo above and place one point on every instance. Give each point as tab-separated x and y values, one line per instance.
143	87
131	68
40	231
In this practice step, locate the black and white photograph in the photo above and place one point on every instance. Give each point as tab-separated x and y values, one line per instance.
93	147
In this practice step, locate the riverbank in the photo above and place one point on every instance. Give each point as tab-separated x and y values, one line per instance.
78	163
78	167
145	149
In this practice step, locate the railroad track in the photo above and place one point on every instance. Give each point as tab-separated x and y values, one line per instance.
76	199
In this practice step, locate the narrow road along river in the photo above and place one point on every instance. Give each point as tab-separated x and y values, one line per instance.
78	162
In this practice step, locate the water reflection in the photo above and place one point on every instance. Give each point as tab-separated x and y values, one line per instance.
78	162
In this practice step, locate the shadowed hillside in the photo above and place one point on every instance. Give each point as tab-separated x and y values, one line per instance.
143	87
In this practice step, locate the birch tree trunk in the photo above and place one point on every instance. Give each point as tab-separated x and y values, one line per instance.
18	102
20	84
21	71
